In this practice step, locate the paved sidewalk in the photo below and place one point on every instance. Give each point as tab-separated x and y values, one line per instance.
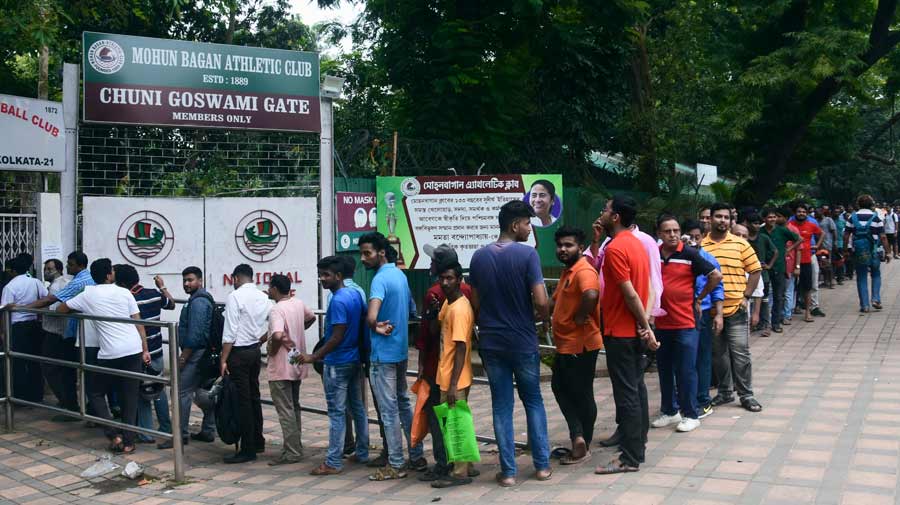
829	434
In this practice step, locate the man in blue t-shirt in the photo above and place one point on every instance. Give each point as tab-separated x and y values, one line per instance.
507	288
388	320
340	352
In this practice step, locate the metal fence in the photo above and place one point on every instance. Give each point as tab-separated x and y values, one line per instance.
9	400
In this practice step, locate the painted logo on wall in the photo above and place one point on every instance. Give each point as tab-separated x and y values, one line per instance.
106	56
145	238
261	236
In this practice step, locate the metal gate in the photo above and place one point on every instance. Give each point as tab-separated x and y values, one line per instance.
18	234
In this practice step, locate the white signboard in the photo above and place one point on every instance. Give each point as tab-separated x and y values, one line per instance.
33	135
706	174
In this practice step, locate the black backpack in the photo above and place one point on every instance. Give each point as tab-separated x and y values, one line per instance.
227	411
209	366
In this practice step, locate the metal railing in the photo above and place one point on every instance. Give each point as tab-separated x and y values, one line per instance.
8	355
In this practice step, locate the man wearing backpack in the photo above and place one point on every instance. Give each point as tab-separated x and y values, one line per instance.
867	229
194	335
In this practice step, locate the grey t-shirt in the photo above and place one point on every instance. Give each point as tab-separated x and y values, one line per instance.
829	232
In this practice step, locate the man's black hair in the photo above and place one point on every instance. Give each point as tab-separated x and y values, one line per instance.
690	224
547	184
768	210
801	204
390	254
22	263
79	258
244	270
56	264
626	207
719	206
195	271
281	283
349	265
376	240
333	264
126	276
513	210
569	231
455	266
752	217
665	216
100	269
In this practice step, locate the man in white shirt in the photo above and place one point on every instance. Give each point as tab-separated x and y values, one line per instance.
25	334
61	379
123	346
246	322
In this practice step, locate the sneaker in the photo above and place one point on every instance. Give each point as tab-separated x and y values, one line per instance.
687	424
705	411
817	312
665	420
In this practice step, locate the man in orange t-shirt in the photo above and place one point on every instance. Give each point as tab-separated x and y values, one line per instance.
576	333
626	331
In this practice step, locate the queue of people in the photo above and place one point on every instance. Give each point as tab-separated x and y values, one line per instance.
691	296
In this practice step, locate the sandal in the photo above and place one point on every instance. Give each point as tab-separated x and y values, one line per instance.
808	319
128	449
569	460
751	404
450	481
324	469
505	480
116	444
876	305
615	467
387	473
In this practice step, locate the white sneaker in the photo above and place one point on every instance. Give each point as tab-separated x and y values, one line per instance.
687	424
664	420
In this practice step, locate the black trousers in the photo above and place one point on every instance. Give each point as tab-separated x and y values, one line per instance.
244	367
28	383
127	391
573	387
623	359
441	465
62	380
779	285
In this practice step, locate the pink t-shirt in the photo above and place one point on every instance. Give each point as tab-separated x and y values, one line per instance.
288	316
652	249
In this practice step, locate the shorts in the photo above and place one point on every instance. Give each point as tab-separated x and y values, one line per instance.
806	280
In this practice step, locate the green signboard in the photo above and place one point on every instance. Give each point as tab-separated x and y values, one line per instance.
140	80
416	213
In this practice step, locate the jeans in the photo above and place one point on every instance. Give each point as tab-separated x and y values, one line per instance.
731	356
790	291
501	367
128	391
343	393
777	293
390	388
573	387
161	404
676	360
441	465
244	367
27	381
862	282
189	378
704	358
286	399
62	380
623	360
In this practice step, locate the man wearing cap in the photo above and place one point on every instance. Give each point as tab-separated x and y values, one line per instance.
428	343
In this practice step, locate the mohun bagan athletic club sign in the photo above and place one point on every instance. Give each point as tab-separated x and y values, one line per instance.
145	238
261	236
140	80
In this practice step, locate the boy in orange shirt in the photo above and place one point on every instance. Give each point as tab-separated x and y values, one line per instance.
576	334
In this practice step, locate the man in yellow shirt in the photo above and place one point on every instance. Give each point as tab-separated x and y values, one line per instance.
454	376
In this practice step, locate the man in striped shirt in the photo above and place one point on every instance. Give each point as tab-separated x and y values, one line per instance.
741	271
150	303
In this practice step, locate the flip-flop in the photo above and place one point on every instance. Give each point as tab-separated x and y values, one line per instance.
560	452
451	481
808	320
615	468
569	460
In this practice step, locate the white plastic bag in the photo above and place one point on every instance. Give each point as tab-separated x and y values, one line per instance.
103	466
132	470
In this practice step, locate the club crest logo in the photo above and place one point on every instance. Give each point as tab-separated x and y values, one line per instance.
106	56
261	236
145	238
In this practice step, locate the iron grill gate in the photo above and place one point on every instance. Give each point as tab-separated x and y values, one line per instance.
18	234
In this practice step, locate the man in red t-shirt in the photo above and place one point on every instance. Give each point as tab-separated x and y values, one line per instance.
807	230
677	330
428	343
626	330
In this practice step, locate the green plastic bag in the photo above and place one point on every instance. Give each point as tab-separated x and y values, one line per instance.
458	430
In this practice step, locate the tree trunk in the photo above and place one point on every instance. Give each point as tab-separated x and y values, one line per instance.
642	115
44	73
232	22
783	142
